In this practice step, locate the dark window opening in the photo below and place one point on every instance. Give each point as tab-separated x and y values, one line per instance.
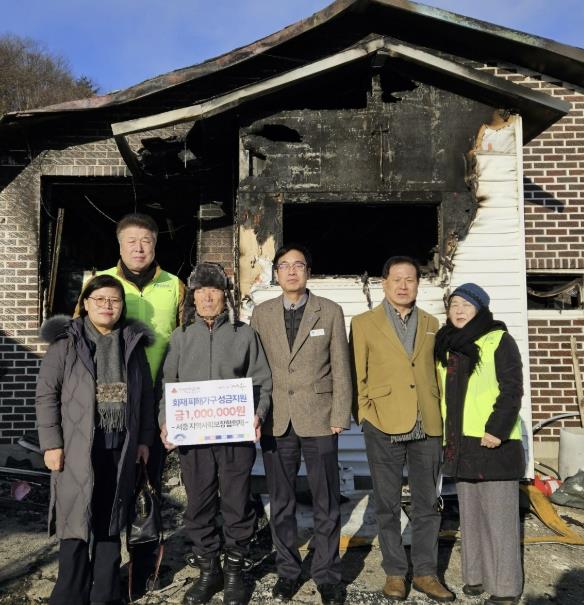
88	239
555	291
351	238
278	132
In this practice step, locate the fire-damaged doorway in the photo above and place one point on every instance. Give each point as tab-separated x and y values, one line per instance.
77	231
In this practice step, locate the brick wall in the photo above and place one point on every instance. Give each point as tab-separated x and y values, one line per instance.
19	350
554	181
553	387
20	208
554	190
215	240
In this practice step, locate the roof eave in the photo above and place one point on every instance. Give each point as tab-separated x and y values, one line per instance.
541	109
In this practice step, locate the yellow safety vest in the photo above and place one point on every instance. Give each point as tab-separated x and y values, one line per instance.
482	390
156	305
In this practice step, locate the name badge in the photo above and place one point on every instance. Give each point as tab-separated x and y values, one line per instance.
319	332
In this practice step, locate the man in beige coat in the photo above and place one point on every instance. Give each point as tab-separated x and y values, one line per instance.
304	339
397	403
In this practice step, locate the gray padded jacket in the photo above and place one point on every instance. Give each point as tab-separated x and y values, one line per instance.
200	353
65	406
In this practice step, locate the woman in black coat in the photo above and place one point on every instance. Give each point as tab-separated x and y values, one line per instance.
95	416
479	373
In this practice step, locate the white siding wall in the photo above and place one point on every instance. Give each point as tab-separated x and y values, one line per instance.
492	255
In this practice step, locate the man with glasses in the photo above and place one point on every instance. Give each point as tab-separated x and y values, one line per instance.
155	297
305	342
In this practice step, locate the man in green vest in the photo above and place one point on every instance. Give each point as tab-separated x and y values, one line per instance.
153	295
156	298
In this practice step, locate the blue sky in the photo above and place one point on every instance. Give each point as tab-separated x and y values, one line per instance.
122	42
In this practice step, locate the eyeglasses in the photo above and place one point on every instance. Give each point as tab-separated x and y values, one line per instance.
102	301
297	266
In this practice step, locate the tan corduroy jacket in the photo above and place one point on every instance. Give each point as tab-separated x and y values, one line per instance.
312	383
389	386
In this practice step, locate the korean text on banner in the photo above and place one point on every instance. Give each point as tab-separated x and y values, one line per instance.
210	411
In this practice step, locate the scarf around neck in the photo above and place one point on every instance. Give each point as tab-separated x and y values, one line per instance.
462	340
111	389
142	279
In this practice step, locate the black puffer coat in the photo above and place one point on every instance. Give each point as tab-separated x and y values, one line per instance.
65	406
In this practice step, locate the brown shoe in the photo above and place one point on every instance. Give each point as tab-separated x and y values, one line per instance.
395	588
433	588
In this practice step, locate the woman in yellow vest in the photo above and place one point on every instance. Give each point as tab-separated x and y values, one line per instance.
479	374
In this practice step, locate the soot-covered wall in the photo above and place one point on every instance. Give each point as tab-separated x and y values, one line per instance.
360	137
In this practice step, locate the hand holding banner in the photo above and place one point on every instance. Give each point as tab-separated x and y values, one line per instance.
210	411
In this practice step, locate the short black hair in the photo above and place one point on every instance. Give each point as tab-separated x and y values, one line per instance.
137	219
102	281
292	246
400	260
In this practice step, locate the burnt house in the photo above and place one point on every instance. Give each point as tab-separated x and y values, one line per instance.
372	128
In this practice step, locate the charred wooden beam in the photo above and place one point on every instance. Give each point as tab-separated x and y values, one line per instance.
544	108
235	98
129	156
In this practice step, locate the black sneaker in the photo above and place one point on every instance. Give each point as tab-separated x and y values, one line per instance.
332	594
284	589
473	590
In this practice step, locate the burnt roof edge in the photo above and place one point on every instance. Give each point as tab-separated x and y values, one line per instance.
180	76
544	109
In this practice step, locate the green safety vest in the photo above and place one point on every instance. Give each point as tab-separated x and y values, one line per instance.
156	305
482	390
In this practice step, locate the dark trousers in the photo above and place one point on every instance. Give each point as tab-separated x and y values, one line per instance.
386	462
83	578
208	470
282	462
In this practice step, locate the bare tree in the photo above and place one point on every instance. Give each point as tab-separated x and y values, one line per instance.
31	76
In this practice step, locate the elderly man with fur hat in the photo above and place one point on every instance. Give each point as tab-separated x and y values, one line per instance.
213	345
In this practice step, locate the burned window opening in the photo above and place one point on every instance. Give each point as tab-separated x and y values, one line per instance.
88	235
278	132
559	292
354	238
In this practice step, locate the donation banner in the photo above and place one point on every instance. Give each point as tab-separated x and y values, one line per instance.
210	411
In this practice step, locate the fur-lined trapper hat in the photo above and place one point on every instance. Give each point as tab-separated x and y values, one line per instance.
208	275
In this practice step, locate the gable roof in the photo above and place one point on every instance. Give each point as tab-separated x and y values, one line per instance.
539	110
334	28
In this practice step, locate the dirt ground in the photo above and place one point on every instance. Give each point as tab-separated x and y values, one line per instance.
554	573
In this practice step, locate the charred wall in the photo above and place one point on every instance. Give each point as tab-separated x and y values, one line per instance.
362	137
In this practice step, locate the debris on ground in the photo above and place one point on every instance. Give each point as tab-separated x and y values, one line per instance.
554	573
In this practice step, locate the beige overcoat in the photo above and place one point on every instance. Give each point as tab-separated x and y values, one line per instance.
312	383
389	385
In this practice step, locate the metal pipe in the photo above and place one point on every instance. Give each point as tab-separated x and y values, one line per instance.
540	425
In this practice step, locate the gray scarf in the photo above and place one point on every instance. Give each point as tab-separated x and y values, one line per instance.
405	328
111	389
